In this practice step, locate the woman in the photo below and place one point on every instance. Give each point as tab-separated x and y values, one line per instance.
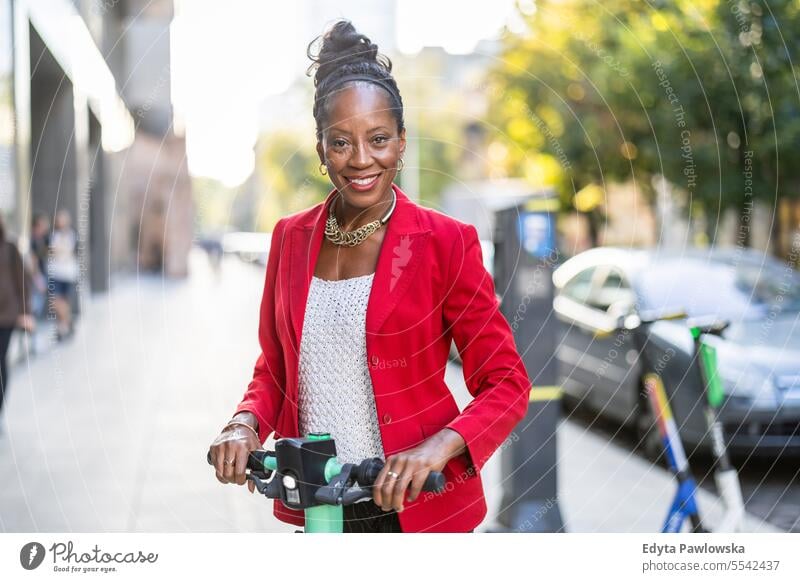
14	303
40	245
62	272
379	287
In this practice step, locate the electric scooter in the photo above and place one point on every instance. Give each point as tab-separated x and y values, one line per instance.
725	474
305	474
684	505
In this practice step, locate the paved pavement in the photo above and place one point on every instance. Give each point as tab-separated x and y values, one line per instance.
109	432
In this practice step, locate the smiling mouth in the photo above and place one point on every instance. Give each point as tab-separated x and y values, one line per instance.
363	181
363	184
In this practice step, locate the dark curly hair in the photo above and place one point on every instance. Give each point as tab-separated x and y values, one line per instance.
345	56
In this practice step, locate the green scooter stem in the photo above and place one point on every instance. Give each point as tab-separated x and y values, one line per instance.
710	376
725	475
325	518
715	396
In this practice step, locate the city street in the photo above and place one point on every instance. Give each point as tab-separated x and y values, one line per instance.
109	432
589	207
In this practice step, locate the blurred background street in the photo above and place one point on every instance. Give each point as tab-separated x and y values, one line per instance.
620	160
109	433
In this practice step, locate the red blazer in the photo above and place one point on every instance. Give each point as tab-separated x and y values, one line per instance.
430	287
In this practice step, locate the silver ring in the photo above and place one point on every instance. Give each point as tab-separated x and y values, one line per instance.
392	474
228	461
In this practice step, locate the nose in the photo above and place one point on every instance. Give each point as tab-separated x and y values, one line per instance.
361	157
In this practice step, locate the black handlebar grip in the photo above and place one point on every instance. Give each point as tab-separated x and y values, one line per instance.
368	470
435	482
255	460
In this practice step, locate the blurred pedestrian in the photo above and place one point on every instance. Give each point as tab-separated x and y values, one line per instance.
14	303
40	244
62	272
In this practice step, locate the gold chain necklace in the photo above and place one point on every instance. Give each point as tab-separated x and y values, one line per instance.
353	237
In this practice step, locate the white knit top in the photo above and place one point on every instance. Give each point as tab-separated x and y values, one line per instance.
336	393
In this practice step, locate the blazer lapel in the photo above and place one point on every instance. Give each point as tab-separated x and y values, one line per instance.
401	252
306	242
400	255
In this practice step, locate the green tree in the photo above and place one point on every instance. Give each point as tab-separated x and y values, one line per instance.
624	89
288	167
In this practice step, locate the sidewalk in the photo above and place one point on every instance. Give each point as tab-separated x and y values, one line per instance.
109	432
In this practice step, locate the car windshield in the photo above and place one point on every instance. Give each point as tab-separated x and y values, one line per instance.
720	288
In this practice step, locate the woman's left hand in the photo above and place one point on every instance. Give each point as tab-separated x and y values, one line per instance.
407	471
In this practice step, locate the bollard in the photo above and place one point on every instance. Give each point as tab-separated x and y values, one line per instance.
529	466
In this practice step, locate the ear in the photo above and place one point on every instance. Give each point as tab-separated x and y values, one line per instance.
402	140
320	152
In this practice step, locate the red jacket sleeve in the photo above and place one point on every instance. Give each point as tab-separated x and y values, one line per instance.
493	370
264	394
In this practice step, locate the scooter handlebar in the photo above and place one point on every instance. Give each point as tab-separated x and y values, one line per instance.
368	471
255	460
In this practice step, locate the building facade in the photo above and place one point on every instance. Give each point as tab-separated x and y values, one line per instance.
83	84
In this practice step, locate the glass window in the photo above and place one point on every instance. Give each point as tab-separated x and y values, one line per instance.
724	289
579	287
614	290
7	118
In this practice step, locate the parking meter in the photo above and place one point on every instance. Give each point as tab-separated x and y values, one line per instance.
525	257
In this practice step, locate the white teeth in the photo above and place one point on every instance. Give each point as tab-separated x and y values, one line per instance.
364	181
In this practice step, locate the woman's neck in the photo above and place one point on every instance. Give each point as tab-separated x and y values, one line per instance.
352	217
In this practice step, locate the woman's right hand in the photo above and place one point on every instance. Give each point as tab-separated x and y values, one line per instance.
26	322
229	453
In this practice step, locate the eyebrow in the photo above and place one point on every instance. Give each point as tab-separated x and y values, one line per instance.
373	130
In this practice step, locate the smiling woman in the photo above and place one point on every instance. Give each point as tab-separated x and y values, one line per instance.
361	135
367	278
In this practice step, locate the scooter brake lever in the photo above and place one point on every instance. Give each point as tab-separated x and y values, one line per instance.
260	480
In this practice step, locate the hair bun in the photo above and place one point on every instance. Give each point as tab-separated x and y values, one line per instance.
342	45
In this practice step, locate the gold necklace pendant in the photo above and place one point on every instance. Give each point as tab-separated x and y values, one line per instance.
337	236
352	238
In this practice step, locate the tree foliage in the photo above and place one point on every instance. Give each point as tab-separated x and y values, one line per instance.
697	91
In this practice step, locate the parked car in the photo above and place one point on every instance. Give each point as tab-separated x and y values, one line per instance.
758	355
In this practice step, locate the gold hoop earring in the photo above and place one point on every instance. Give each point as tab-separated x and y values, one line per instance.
321	171
400	164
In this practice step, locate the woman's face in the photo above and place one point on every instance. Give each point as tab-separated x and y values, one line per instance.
361	145
62	219
41	226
